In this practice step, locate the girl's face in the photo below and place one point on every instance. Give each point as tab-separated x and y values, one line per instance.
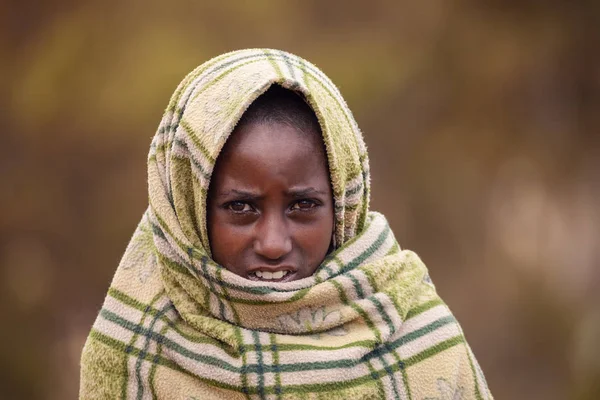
270	205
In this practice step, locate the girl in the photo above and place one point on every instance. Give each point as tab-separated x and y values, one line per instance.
257	270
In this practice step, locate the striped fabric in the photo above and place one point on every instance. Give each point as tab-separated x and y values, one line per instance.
175	325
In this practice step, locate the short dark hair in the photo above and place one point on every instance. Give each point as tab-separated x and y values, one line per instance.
280	105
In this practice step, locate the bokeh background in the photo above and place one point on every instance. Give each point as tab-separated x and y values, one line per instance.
482	119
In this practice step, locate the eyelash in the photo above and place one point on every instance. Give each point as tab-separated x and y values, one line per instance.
229	205
312	205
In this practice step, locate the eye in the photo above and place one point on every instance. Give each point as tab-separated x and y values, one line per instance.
239	207
304	205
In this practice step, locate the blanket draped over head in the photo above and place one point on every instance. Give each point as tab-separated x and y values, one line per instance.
175	325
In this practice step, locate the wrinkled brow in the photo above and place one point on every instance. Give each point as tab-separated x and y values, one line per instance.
241	193
304	192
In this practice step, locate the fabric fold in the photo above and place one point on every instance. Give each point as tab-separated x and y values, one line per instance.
176	325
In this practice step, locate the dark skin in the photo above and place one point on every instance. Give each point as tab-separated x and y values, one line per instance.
270	205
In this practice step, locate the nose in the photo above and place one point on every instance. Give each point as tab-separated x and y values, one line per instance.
273	240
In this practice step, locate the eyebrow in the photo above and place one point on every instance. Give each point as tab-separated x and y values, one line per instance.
241	193
296	193
303	192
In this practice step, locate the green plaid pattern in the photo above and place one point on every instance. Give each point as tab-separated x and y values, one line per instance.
367	324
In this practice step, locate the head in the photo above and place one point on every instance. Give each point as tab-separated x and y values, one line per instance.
270	208
214	143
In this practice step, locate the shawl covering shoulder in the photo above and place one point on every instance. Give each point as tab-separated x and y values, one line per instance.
368	324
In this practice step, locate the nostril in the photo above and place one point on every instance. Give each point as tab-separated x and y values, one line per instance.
273	249
273	239
273	246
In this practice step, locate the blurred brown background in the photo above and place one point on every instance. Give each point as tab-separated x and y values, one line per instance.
482	119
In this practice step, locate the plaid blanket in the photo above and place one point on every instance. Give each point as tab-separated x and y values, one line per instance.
175	325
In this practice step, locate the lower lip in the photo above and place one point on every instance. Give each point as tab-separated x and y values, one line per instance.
290	276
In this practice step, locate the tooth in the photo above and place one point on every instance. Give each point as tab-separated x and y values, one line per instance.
259	274
267	275
278	274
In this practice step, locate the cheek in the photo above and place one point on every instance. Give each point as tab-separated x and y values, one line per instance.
315	241
226	243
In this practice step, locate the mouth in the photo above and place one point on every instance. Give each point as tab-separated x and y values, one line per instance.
270	275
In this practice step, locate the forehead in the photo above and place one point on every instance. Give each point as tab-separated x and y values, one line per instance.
271	154
265	140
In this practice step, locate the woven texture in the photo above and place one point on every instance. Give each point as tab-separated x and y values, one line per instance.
175	325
